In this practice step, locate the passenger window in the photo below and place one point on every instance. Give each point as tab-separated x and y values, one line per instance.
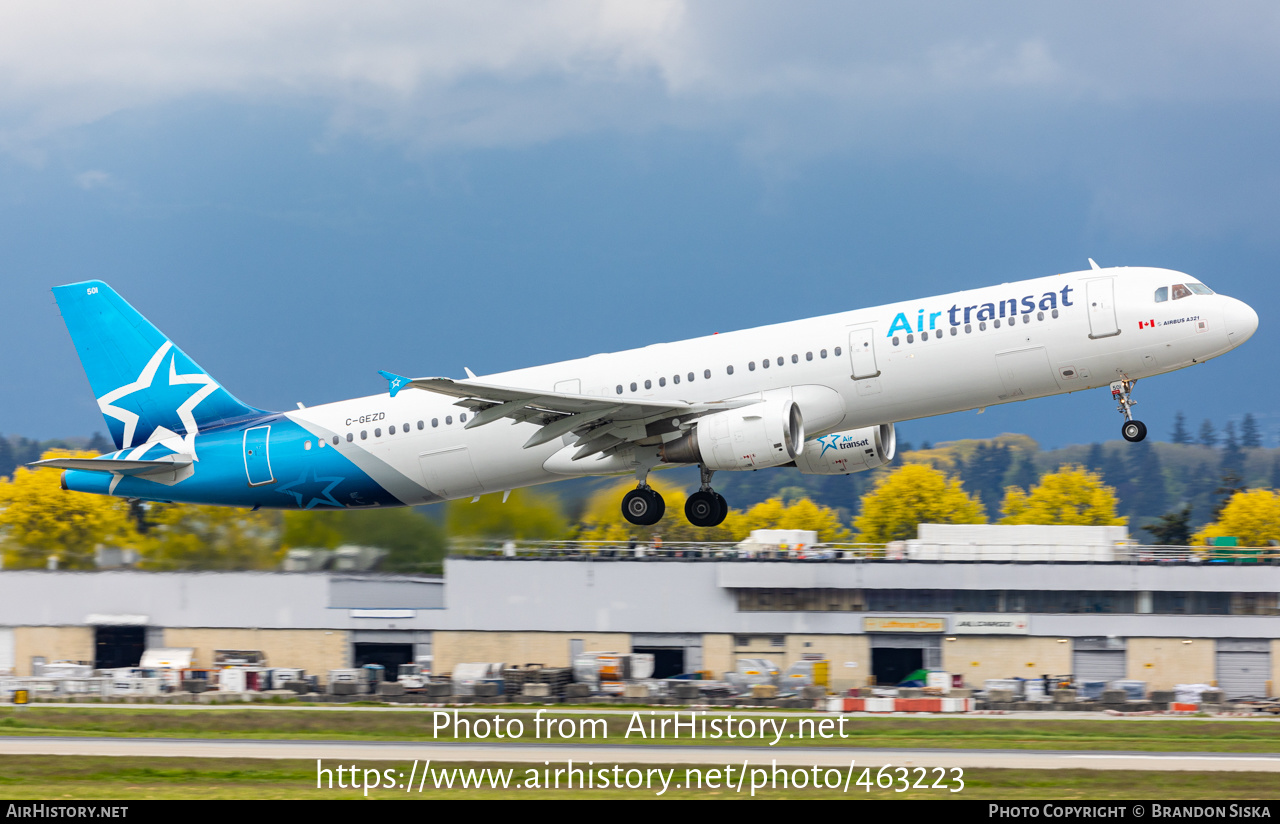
648	384
633	386
795	358
1180	291
350	437
953	332
448	420
751	366
364	434
462	418
1162	294
336	440
822	354
320	443
1039	315
306	445
1055	313
420	426
968	327
728	370
997	323
377	433
837	350
619	389
765	363
780	361
391	430
911	338
662	381
706	374
924	336
406	427
808	356
895	340
1026	318
982	327
435	422
675	378
691	377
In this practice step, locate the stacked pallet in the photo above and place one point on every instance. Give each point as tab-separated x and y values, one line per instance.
557	677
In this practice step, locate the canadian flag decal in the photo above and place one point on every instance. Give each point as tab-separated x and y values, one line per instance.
1146	324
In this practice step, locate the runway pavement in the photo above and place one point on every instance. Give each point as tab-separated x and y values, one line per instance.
351	751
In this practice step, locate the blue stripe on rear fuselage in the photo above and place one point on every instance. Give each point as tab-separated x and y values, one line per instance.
317	478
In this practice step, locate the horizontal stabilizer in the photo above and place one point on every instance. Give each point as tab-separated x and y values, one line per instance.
114	465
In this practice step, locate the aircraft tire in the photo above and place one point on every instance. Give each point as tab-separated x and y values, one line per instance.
643	507
1133	431
723	509
702	509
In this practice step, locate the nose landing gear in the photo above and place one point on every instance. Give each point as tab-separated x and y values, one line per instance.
706	507
1121	391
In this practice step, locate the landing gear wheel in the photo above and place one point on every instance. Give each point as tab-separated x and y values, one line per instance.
1133	431
643	507
724	509
703	508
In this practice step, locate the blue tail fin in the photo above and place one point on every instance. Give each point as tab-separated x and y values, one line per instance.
147	388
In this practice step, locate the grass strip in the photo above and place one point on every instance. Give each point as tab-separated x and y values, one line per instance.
81	778
1193	735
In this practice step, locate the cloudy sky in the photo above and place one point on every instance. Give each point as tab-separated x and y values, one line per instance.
302	193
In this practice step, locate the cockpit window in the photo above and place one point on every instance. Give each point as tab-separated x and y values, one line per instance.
1199	289
1162	294
1180	291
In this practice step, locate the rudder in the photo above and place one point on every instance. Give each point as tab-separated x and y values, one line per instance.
147	388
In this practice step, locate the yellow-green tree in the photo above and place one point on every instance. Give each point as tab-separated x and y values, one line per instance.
414	542
801	513
911	495
526	515
189	536
603	521
1252	516
38	519
1072	495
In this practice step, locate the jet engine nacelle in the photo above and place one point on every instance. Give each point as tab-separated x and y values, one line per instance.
853	450
763	434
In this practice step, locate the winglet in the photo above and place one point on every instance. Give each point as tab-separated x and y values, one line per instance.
1094	266
395	382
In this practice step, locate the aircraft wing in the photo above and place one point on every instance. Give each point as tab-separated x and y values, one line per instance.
601	423
113	465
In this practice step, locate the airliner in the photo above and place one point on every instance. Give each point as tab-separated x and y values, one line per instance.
821	395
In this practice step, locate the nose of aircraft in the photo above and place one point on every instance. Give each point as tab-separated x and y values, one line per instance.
1240	320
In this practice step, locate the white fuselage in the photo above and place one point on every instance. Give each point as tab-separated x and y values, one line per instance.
848	370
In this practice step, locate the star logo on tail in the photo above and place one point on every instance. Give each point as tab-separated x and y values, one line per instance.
168	404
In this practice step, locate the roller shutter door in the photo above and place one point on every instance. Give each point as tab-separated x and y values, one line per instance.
1243	667
1098	664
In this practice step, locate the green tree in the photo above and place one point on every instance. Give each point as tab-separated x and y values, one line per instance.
526	515
911	495
38	519
1173	528
1180	433
1072	495
414	543
1251	516
190	536
1208	435
1250	437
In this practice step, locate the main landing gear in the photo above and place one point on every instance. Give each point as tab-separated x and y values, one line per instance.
643	506
1133	431
706	507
